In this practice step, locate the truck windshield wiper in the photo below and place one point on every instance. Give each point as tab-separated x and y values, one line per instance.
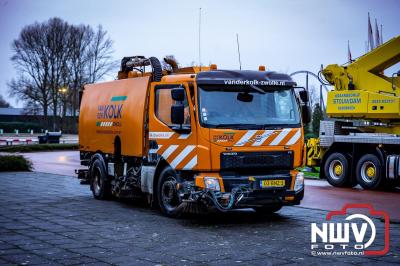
276	127
240	126
257	89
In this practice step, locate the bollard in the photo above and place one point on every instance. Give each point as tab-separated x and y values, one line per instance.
1	132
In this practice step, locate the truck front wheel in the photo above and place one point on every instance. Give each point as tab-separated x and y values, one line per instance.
369	172
99	184
168	198
337	170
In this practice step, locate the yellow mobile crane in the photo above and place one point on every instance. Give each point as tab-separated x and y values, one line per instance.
360	140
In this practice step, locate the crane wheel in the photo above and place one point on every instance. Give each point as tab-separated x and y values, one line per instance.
369	172
337	170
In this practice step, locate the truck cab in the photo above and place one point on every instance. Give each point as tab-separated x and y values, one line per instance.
222	139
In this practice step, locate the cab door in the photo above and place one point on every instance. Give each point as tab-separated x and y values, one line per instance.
175	143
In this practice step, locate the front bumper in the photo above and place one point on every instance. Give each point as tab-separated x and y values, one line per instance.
252	193
259	198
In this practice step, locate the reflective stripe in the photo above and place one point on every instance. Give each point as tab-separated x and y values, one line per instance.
155	150
182	155
280	137
184	136
263	137
106	124
246	138
169	151
295	138
160	135
191	164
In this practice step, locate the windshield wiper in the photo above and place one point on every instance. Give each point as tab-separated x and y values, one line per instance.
240	126
276	127
257	89
252	126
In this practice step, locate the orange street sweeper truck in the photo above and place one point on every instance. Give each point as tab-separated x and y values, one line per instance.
194	138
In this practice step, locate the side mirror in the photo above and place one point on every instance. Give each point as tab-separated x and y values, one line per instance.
178	94
177	114
304	96
306	114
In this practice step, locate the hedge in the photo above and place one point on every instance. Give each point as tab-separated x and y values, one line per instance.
14	163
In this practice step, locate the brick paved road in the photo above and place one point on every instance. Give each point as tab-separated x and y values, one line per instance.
320	195
51	219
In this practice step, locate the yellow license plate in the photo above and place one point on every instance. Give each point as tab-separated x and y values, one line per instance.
272	183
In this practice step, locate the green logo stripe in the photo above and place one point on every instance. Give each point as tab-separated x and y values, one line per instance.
118	98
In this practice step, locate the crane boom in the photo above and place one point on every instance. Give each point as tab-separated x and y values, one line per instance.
360	143
362	91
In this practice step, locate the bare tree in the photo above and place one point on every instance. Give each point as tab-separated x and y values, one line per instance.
314	95
90	60
80	41
54	60
3	103
33	67
99	55
57	44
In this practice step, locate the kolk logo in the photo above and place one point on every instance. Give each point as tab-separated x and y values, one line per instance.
111	111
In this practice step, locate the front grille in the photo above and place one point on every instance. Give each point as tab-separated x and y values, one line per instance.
278	160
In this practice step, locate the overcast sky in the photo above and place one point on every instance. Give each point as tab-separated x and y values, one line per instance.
283	35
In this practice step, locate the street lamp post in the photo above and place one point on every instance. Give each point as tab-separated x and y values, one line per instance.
63	91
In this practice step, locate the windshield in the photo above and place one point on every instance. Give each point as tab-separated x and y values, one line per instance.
227	106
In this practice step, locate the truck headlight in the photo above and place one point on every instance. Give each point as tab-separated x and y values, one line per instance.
299	182
212	183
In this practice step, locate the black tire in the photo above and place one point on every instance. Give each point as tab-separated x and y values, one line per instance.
337	170
167	195
369	172
99	183
268	209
